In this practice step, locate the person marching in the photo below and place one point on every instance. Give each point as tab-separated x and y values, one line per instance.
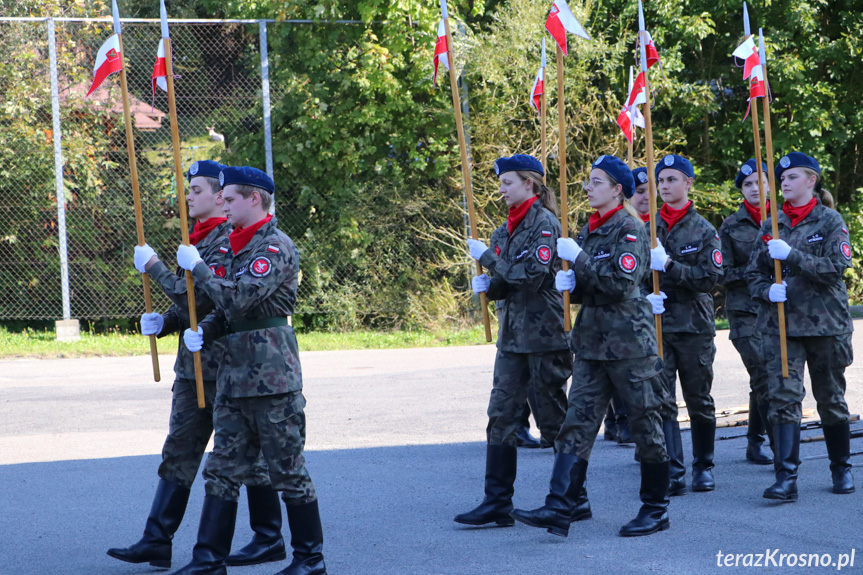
191	427
641	197
739	234
815	251
259	401
688	257
532	344
614	342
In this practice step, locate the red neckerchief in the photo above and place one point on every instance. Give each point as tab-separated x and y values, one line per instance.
517	213
596	220
754	213
644	217
796	215
240	237
672	216
202	229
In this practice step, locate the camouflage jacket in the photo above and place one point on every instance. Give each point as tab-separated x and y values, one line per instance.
615	321
214	249
260	286
696	264
523	266
817	299
738	234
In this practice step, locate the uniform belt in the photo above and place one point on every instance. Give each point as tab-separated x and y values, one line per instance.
682	295
254	324
599	299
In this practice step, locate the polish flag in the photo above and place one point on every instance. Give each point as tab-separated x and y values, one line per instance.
652	52
160	69
756	87
440	51
636	92
538	90
624	120
747	52
560	21
108	61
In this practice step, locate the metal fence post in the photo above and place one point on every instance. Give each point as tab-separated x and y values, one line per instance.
67	329
265	90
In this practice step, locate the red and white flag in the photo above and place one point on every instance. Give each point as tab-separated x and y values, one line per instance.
538	90
160	68
440	51
108	59
560	21
629	116
748	52
756	83
636	91
652	52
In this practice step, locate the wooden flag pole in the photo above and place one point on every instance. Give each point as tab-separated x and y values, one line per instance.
184	220
774	219
564	205
136	195
465	171
756	137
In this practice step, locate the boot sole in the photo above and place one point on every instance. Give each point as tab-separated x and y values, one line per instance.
759	461
160	563
662	527
502	522
245	562
703	488
843	491
783	498
581	517
553	530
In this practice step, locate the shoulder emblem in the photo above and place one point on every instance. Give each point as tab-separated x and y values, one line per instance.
223	250
627	262
845	231
497	250
717	258
261	267
543	254
846	250
218	271
273	249
546	233
631	238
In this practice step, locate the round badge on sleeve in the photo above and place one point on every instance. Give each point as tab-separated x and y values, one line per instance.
261	267
846	250
627	262
746	169
717	258
785	161
218	270
543	254
194	169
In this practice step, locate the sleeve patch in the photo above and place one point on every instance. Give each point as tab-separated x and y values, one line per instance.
546	233
631	238
627	262
766	238
543	254
497	250
717	258
223	250
261	267
273	249
845	231
218	270
846	250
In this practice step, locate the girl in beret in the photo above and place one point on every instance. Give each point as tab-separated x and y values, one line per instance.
739	234
532	345
814	250
614	342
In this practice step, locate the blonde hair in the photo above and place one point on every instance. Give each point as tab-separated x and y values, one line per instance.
823	195
623	200
545	195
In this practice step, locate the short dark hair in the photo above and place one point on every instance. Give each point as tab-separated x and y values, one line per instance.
266	197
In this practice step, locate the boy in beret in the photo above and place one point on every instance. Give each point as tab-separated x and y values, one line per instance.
259	401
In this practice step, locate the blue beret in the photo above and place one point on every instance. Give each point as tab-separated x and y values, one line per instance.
675	162
640	176
518	163
618	170
746	170
796	160
205	169
246	176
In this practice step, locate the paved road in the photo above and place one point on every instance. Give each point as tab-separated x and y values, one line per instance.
396	449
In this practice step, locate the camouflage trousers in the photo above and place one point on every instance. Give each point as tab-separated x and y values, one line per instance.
513	374
640	386
747	342
271	425
189	431
689	355
827	356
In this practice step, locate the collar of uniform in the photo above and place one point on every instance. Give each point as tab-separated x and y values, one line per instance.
610	225
260	234
529	218
689	211
743	216
811	218
222	229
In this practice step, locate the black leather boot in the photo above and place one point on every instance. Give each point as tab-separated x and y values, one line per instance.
703	436
166	513
756	452
677	469
565	489
215	532
610	424
265	518
307	540
838	440
500	470
786	438
581	511
523	438
653	515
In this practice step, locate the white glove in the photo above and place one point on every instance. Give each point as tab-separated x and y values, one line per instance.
657	303
143	254
480	283
477	248
779	249
564	280
194	340
777	292
567	249
658	257
152	324
188	256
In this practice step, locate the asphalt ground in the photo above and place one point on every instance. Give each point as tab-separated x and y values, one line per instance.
396	446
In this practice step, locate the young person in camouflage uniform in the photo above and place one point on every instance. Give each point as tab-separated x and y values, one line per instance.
739	234
259	401
815	251
191	427
688	257
615	350
531	345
